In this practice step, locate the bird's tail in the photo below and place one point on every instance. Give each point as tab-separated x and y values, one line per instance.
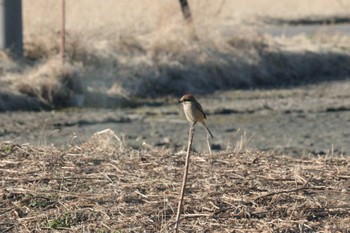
208	131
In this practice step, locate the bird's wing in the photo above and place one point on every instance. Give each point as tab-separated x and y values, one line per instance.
199	106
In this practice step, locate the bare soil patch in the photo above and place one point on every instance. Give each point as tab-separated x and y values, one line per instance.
103	186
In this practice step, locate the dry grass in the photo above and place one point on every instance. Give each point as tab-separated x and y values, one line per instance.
149	67
131	15
52	84
126	49
117	189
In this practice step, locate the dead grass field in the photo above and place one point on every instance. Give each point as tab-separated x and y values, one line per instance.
103	186
122	50
41	16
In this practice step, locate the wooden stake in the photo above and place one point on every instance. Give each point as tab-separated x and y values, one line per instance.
63	31
184	180
186	10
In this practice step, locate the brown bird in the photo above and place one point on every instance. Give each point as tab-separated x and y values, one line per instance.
194	111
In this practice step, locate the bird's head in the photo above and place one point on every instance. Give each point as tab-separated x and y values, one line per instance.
187	98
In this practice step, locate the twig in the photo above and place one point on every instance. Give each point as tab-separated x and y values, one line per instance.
187	163
289	191
9	209
262	214
191	216
8	229
208	142
52	178
55	192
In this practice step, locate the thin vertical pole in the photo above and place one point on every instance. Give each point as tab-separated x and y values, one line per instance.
187	164
186	10
63	31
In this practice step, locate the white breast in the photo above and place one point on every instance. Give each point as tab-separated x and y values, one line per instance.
192	113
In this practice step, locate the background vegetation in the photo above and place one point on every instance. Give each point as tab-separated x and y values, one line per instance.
121	50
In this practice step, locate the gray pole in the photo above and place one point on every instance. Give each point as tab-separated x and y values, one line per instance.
11	35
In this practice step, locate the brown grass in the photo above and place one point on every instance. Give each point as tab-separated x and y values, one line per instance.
157	66
113	188
52	85
86	16
130	49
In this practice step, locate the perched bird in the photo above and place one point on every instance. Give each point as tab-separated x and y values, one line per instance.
194	111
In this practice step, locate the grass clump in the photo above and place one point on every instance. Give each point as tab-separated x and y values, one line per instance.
53	85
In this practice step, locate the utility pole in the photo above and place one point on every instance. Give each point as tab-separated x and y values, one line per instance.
11	35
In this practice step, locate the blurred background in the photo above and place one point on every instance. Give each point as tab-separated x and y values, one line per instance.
272	75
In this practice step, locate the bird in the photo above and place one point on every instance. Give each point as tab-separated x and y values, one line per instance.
193	111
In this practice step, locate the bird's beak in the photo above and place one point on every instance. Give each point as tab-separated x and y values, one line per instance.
179	102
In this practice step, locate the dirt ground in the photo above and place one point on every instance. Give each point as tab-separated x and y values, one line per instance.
304	120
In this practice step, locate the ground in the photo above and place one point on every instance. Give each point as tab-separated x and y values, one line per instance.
104	186
70	179
106	151
312	119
